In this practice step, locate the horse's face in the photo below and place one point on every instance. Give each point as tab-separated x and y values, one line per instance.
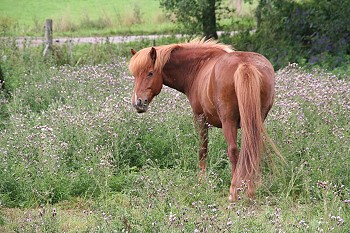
148	81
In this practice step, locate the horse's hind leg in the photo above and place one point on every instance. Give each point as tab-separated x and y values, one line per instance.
229	128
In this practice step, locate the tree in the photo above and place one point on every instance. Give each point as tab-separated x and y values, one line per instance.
237	7
195	16
312	32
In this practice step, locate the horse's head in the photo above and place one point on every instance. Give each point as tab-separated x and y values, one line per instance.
148	79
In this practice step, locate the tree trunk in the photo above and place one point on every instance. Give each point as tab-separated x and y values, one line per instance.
209	20
238	7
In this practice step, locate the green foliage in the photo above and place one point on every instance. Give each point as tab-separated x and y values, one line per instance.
18	60
196	17
307	32
75	157
71	141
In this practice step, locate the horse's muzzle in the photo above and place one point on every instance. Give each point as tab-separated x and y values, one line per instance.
141	106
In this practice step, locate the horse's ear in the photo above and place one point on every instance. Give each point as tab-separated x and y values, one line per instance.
132	51
153	54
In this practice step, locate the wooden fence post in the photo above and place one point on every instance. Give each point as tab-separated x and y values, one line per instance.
70	49
48	36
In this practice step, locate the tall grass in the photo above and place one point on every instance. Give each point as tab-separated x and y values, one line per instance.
75	157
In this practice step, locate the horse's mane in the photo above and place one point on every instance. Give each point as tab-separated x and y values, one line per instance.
142	57
210	43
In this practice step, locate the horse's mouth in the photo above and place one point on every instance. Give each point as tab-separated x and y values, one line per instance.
141	108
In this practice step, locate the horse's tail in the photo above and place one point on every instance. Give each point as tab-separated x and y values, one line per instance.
247	80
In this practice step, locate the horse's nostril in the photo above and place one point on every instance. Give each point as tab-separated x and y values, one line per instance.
141	102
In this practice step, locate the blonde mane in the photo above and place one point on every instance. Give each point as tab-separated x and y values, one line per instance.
140	60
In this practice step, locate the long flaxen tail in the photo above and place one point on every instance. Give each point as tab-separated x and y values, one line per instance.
248	90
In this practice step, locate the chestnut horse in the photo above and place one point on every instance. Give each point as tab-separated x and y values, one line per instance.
226	89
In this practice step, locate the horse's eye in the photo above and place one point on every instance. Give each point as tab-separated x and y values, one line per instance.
150	74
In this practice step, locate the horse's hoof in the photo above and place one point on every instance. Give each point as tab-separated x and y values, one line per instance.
202	176
232	198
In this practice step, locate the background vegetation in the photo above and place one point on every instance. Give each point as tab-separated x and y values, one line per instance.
75	157
311	33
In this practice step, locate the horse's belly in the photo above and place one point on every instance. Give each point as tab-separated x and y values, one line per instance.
214	121
211	114
208	105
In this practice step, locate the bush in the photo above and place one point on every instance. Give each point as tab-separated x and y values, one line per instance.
308	32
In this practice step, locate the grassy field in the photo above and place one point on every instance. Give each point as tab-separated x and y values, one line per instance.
75	157
90	17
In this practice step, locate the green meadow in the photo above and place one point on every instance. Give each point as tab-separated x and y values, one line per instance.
98	18
76	157
80	17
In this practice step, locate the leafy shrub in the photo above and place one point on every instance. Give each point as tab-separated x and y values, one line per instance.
308	32
196	17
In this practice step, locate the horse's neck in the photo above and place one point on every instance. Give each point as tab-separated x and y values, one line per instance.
182	68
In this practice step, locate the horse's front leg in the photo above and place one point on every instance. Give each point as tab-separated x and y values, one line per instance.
202	128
